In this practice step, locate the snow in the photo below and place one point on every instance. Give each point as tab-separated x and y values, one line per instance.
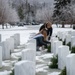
54	73
25	33
46	56
5	72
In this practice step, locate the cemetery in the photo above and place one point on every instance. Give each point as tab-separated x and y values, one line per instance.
18	55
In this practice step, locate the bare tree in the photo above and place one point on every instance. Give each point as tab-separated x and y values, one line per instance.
7	14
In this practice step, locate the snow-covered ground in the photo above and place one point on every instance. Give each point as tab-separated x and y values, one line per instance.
24	37
26	31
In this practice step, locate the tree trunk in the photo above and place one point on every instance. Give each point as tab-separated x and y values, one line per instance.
6	26
62	25
2	26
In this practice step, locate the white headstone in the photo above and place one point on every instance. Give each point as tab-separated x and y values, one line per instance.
56	45
25	68
11	43
60	34
0	56
29	54
72	41
16	40
68	38
52	41
63	51
17	36
73	33
5	50
31	46
70	62
0	37
69	32
63	36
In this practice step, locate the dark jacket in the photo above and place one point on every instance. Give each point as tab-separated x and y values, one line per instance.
49	30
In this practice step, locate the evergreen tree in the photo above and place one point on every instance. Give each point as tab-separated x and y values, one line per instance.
58	11
20	12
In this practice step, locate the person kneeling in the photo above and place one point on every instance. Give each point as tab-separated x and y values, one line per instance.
41	39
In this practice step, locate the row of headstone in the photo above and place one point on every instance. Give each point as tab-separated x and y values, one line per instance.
61	50
67	36
7	46
27	65
64	56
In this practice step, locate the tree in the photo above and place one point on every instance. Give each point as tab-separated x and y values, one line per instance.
7	14
20	12
58	11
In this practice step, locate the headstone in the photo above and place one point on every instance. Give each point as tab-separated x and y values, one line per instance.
59	34
56	45
10	44
52	41
29	54
63	36
70	62
16	40
72	41
31	46
0	56
0	37
73	33
63	51
5	50
69	32
25	68
68	38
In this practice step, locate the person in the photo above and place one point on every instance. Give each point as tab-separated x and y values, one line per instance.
41	38
48	27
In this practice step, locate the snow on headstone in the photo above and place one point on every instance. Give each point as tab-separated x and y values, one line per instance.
25	68
52	43
5	50
63	51
68	38
70	62
56	45
29	54
0	56
72	41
